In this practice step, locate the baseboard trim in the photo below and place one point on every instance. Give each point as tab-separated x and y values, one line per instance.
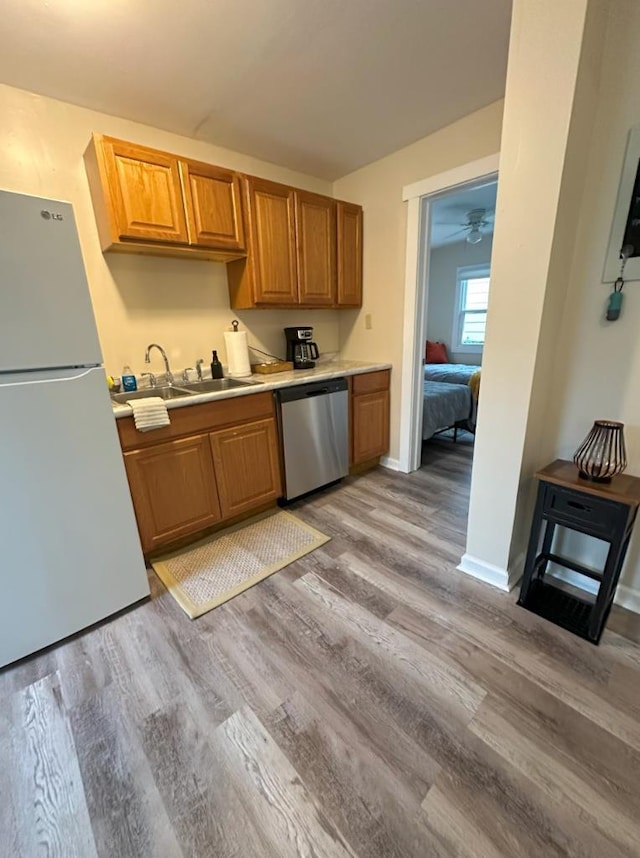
486	572
628	598
391	464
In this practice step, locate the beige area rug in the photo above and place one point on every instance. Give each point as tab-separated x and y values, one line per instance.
212	571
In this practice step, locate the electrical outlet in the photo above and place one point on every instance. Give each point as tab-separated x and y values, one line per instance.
367	322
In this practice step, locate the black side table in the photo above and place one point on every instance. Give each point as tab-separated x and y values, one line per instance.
604	510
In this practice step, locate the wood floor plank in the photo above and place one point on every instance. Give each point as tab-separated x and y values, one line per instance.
359	791
554	777
457	692
505	811
126	811
282	808
342	690
8	820
82	668
48	794
591	699
455	828
202	803
603	758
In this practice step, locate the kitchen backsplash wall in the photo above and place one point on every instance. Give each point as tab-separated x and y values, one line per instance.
184	306
181	304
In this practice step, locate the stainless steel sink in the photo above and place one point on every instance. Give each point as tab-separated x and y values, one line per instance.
162	392
208	385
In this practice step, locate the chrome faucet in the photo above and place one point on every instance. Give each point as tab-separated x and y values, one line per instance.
167	368
199	363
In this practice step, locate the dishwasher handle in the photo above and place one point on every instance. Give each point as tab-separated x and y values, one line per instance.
313	388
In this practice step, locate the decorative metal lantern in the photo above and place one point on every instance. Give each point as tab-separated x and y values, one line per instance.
602	454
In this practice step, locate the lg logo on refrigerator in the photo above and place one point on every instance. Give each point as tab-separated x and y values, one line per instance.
47	215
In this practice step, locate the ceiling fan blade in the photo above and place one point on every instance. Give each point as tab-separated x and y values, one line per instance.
457	232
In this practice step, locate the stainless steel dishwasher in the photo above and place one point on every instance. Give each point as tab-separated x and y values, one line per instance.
314	427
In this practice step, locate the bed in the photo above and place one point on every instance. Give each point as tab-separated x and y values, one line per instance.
452	373
445	406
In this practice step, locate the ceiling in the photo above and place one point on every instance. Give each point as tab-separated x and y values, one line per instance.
449	212
321	86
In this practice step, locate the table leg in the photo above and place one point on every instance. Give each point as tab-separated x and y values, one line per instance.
611	574
532	551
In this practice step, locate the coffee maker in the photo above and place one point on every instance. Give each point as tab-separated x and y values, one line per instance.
301	349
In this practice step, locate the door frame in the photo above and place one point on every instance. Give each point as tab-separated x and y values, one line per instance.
418	196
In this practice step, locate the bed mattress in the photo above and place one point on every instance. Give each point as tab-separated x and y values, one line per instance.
443	405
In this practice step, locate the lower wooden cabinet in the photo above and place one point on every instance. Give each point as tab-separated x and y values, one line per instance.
215	462
219	461
370	416
247	467
173	487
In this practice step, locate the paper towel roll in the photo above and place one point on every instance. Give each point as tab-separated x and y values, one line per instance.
238	365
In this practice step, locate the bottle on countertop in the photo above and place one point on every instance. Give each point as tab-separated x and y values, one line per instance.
216	366
128	379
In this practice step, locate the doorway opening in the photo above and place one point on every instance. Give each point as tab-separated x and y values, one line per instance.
453	208
457	278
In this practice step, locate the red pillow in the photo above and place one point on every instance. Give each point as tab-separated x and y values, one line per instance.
436	353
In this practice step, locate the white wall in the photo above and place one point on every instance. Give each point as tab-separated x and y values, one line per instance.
444	262
378	187
546	136
597	363
181	303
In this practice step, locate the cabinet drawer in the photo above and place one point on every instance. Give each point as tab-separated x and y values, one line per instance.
199	418
369	382
581	511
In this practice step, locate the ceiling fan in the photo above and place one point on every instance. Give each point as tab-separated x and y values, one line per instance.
477	220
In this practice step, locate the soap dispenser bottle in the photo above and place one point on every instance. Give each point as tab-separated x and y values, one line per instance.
216	366
128	379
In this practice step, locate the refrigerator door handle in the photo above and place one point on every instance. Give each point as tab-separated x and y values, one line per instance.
43	377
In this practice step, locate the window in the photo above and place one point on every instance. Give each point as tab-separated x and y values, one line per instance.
470	318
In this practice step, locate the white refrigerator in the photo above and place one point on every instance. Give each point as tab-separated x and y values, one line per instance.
69	548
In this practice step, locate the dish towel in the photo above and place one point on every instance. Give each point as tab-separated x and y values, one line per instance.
149	413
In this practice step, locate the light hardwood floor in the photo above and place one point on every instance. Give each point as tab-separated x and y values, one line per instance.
369	700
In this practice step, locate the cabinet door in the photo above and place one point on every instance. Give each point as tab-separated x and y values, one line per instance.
273	242
173	489
146	193
316	249
369	425
212	197
349	255
247	466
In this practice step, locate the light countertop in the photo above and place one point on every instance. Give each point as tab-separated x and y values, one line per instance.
330	369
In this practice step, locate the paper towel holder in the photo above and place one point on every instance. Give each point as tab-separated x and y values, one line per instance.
237	346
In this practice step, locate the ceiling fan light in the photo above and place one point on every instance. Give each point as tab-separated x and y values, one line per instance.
474	236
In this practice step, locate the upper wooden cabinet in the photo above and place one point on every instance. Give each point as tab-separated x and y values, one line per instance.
213	201
268	275
304	250
285	247
349	229
148	201
145	193
316	249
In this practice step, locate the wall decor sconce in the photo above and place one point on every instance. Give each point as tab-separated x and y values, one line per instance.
602	454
